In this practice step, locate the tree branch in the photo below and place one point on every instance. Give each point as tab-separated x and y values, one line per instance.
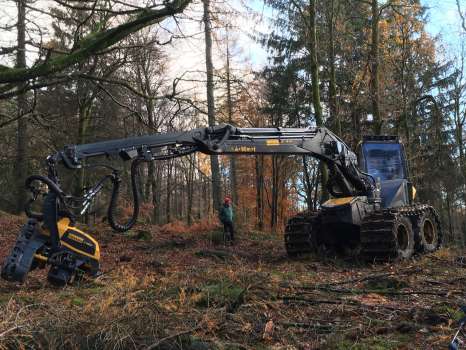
463	19
92	44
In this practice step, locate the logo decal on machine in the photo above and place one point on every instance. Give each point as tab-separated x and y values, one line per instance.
79	242
244	149
272	142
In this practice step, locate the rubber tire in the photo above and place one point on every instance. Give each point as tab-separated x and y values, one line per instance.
425	244
407	250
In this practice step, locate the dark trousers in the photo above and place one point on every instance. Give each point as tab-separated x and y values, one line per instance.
228	227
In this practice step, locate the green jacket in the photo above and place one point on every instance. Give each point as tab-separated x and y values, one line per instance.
226	213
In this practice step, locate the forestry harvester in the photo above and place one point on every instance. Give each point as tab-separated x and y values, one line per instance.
372	212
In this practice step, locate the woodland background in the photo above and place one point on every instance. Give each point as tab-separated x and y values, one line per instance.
82	71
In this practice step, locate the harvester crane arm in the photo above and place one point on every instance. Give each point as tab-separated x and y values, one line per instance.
345	177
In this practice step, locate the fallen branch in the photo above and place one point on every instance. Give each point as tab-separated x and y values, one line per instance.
287	299
366	278
219	254
326	328
387	292
176	335
9	331
348	302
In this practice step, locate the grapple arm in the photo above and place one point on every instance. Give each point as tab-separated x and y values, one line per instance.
345	177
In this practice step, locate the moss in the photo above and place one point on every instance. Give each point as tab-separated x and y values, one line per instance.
216	254
373	343
92	291
448	310
285	276
222	293
262	236
143	235
456	314
4	299
199	344
77	301
216	237
26	299
386	284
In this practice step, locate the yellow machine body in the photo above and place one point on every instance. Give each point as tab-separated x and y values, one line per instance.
77	241
335	202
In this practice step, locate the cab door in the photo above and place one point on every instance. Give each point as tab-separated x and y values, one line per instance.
384	159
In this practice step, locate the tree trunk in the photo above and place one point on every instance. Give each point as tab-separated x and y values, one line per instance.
308	184
275	193
314	64
459	118
332	90
21	140
169	190
450	229
356	121
201	189
316	88
214	163
190	190
260	191
175	186
316	190
156	187
233	184
84	111
375	88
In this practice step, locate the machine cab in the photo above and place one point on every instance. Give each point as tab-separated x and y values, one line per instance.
384	158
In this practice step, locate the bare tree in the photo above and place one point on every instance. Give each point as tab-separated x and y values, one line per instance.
21	136
374	57
233	184
316	87
215	167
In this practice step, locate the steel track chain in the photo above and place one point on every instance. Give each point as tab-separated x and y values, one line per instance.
299	233
378	239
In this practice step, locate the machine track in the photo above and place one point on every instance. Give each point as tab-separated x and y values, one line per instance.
385	235
21	259
393	234
301	232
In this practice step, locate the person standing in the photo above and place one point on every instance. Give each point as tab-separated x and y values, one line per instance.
226	217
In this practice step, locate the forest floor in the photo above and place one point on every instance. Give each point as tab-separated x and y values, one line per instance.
166	290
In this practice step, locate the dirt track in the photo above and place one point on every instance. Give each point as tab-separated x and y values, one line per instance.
188	291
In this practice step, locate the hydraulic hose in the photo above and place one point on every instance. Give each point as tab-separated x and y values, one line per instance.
31	214
53	187
225	136
49	207
112	209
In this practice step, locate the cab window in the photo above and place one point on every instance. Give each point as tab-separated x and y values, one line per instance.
384	160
